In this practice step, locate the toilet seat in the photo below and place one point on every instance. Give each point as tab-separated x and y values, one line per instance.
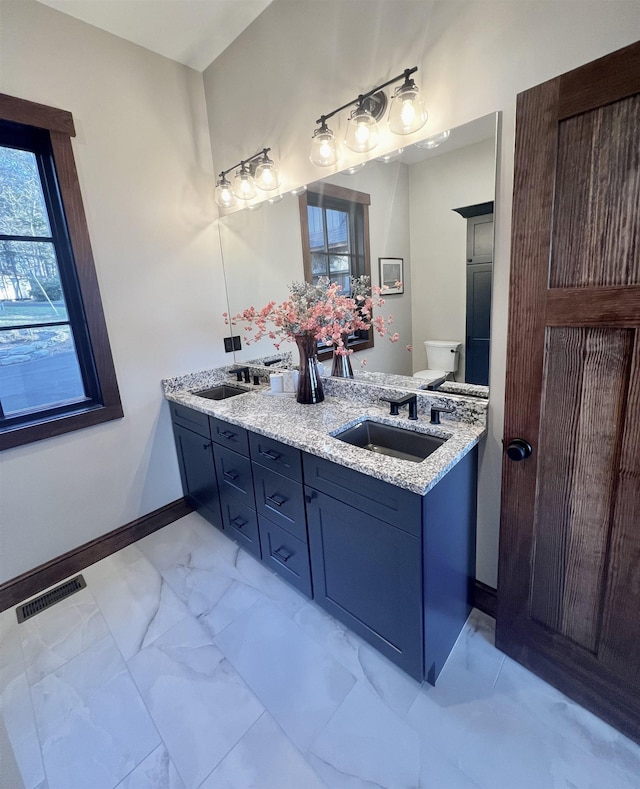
431	375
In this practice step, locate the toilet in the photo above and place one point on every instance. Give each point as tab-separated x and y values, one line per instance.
442	359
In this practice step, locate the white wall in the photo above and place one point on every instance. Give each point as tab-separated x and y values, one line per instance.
301	58
439	242
144	162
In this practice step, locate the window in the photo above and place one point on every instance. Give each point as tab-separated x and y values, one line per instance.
335	241
56	371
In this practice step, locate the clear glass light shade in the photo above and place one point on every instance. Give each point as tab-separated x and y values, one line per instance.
362	131
266	175
244	185
407	113
324	148
224	194
435	141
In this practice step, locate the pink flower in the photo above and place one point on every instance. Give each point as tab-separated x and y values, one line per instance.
410	348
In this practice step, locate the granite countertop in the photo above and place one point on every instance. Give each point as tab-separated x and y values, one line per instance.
310	428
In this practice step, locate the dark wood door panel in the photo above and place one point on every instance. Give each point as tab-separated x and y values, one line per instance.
569	574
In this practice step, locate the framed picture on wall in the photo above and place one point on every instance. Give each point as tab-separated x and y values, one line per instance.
391	275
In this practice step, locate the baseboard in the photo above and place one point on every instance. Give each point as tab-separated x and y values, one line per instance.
34	581
485	598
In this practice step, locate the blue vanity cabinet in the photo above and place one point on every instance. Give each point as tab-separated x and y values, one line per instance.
395	567
366	557
277	481
195	460
235	484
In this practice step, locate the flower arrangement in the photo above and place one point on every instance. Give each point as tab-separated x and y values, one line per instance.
319	310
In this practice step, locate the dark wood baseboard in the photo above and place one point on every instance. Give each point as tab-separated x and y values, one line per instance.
485	598
34	581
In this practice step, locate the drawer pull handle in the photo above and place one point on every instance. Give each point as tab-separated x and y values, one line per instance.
310	497
283	554
238	522
270	455
227	434
232	475
276	499
207	446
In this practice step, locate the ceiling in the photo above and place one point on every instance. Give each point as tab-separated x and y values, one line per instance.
193	32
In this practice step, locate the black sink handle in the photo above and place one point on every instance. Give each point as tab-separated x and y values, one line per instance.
436	410
397	402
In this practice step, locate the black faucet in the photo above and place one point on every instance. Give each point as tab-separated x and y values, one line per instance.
433	385
241	371
436	410
271	361
397	402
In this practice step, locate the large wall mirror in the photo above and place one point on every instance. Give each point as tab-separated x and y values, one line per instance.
430	207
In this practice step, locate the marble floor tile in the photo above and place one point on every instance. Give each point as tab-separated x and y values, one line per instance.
198	701
298	681
60	633
264	758
11	658
564	716
365	746
91	720
135	600
397	689
157	771
17	712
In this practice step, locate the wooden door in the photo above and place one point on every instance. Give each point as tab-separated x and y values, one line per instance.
569	577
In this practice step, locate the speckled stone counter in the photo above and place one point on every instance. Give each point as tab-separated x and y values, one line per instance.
311	428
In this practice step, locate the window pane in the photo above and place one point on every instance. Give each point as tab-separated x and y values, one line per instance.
343	281
39	369
22	208
339	263
319	264
30	289
338	230
315	218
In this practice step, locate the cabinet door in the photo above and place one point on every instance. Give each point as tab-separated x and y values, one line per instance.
368	574
198	473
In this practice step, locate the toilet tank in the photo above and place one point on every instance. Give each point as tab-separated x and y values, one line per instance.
442	355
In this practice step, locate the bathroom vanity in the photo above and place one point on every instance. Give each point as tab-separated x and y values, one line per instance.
385	545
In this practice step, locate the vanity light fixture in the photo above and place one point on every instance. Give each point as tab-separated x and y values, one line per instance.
407	115
256	172
298	190
390	157
355	168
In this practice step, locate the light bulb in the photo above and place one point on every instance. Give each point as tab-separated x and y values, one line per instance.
244	186
266	175
407	113
224	194
324	148
362	131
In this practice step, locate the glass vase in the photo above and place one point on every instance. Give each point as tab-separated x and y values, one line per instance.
341	367
309	382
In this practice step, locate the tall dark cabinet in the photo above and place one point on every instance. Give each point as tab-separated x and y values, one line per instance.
479	277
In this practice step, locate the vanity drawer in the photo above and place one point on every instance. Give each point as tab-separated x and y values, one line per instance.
228	435
276	456
234	475
281	500
240	523
190	418
381	499
286	555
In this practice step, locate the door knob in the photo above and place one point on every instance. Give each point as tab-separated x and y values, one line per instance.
519	449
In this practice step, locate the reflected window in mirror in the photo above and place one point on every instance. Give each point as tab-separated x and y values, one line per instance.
334	224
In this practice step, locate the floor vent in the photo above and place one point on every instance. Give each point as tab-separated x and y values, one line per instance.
34	607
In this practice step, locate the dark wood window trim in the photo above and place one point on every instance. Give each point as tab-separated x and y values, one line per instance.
365	339
59	124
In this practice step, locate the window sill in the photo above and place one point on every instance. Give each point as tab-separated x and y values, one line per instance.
48	427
